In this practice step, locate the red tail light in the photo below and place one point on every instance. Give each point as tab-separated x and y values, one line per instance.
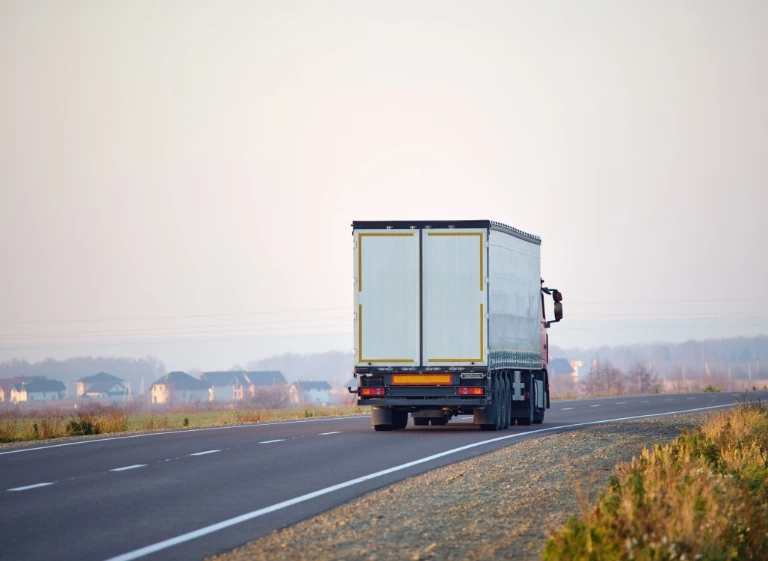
471	391
373	391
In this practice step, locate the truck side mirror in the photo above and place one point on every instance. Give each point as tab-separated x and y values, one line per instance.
558	311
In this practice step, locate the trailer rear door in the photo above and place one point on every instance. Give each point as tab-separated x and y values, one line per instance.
454	265
387	297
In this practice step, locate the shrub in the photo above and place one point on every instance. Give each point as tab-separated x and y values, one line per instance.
9	426
247	415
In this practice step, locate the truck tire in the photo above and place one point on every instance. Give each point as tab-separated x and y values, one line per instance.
399	419
381	418
503	402
538	416
495	412
507	401
439	421
528	419
421	421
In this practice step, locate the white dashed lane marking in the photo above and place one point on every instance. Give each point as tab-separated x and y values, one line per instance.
129	467
327	433
204	453
271	441
620	402
566	408
35	486
595	405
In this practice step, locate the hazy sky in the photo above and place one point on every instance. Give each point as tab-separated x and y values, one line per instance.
164	160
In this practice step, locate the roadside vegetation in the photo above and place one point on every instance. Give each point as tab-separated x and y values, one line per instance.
18	424
702	496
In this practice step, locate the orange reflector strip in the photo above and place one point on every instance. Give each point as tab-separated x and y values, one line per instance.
421	379
472	391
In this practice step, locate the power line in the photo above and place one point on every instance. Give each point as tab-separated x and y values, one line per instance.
672	315
630	302
175	341
151	318
163	330
657	327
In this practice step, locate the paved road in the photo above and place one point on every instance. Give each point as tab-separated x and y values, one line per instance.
177	492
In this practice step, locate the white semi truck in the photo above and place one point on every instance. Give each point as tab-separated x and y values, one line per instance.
449	320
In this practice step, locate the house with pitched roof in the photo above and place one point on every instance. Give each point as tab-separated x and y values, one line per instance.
310	392
564	366
262	379
6	384
180	387
227	386
39	390
102	386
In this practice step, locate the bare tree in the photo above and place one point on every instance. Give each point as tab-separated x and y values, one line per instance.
604	379
562	385
271	397
643	379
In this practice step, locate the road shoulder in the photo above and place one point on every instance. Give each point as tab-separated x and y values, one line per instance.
499	505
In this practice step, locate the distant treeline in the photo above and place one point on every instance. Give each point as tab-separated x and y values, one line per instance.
742	355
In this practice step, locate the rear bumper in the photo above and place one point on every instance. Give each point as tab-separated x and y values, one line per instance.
425	402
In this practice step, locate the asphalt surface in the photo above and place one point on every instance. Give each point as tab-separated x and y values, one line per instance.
177	492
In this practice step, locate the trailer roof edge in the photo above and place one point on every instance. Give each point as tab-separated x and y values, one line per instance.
425	224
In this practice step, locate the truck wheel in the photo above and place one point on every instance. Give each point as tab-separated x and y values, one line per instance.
399	419
496	410
528	419
381	418
538	416
438	421
421	421
507	408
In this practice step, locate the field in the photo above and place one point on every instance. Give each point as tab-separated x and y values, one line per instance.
17	425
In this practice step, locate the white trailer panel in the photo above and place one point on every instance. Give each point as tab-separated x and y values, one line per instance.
514	287
387	297
454	265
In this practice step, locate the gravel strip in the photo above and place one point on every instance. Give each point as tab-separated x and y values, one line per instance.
500	505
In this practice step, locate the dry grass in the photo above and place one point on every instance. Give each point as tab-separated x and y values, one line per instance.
704	496
18	425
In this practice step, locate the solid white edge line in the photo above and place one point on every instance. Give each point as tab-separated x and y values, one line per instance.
31	486
95	440
125	468
271	441
204	453
165	544
327	433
